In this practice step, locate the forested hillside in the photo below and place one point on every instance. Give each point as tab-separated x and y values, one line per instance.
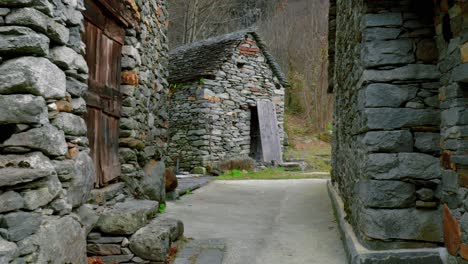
296	33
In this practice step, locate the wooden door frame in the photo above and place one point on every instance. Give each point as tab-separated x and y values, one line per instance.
121	11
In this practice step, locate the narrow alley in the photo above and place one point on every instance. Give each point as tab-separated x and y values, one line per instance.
281	221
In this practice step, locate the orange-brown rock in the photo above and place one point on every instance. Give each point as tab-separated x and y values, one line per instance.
132	143
171	180
64	106
452	232
72	153
249	51
464	251
464	52
130	77
463	177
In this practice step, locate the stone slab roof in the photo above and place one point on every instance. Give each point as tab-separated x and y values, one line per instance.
203	59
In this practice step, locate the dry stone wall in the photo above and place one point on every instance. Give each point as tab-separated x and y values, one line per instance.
48	205
387	117
210	118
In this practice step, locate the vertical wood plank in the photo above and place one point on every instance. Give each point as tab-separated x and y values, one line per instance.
269	132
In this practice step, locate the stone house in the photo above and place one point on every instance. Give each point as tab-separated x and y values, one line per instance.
227	97
399	73
83	117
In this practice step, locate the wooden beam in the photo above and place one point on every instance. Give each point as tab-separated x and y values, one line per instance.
117	8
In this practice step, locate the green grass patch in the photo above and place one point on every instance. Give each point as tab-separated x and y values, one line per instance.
267	174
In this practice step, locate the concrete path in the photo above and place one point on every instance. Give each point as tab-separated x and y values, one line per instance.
274	222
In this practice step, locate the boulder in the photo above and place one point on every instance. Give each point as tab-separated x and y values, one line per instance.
22	108
175	226
71	124
127	217
386	194
151	242
83	180
20	224
47	139
33	75
22	41
171	180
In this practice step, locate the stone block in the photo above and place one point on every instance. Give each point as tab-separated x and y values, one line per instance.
103	249
454	116
22	41
47	139
452	233
386	194
8	251
68	59
425	194
386	95
126	218
42	193
394	118
75	87
382	166
460	73
426	51
388	141
427	142
33	75
71	124
22	109
58	32
199	170
390	52
382	20
10	201
13	176
404	224
409	72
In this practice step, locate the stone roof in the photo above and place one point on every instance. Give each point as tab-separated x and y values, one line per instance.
203	59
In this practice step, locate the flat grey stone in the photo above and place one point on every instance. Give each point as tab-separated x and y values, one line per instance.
427	142
382	166
71	124
10	201
383	19
79	188
68	59
88	217
19	108
20	224
58	32
75	87
396	118
460	73
116	258
126	218
371	34
43	5
42	193
388	141
409	72
13	176
386	194
33	75
390	52
382	95
454	116
22	41
47	139
407	224
28	17
8	251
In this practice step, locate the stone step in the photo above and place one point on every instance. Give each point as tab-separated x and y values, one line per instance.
294	165
209	251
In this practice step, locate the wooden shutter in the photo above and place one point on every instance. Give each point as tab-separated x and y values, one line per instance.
104	38
269	132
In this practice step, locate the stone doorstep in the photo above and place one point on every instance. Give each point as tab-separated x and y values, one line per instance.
358	254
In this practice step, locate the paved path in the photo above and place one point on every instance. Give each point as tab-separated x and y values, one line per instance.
274	222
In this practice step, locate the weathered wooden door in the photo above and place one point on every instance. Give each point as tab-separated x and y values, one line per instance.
269	132
104	38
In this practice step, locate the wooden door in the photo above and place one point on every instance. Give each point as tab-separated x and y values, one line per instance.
269	132
104	38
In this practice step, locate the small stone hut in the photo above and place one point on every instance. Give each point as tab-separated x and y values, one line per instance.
399	73
83	121
224	92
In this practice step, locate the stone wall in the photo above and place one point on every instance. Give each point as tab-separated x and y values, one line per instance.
46	173
210	118
451	26
386	143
